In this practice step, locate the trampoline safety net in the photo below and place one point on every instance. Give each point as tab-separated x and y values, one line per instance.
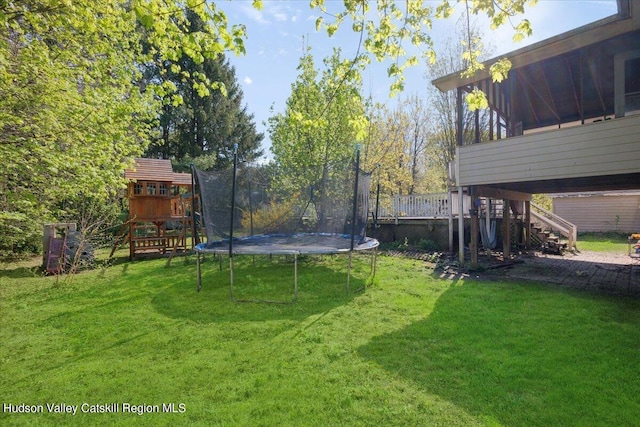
264	204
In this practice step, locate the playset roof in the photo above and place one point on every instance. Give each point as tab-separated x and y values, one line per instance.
156	170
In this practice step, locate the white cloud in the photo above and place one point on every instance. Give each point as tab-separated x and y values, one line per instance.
254	14
247	80
280	16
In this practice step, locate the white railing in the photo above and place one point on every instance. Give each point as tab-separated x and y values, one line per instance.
417	206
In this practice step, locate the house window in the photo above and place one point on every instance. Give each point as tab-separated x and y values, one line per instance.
163	189
137	189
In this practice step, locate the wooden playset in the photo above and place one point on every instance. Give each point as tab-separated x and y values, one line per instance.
161	210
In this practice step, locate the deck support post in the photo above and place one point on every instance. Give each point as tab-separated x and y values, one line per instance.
527	224
473	245
461	225
450	214
506	229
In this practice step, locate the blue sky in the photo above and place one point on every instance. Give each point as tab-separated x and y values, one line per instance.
275	44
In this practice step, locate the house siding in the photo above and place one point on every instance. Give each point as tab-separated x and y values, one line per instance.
596	149
601	213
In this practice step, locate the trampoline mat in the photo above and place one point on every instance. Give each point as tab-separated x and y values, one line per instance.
289	244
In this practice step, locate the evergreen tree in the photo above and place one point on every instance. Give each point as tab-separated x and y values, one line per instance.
207	123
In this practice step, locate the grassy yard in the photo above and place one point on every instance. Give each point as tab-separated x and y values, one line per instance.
411	349
603	242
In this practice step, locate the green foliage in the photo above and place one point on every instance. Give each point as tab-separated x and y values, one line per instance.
397	146
72	120
273	217
428	245
168	35
323	121
384	37
389	26
73	109
544	201
396	245
210	119
476	100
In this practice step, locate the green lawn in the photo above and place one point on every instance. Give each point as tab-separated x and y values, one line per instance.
603	242
411	349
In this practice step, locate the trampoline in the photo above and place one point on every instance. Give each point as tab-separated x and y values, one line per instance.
248	212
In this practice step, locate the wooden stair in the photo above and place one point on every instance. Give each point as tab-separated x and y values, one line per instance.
551	232
549	242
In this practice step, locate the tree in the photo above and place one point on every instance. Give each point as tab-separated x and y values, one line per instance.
417	134
70	116
396	144
73	115
396	24
203	124
74	111
443	142
323	121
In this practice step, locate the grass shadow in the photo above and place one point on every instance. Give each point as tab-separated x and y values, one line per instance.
523	355
321	287
23	272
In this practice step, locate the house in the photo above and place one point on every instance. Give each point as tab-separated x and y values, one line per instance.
600	211
566	119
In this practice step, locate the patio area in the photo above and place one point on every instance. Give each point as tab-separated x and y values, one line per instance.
600	272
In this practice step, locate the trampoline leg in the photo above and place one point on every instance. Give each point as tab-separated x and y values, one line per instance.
295	277
231	279
349	275
374	259
220	261
198	272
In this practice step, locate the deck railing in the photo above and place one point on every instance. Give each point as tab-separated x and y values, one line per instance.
418	206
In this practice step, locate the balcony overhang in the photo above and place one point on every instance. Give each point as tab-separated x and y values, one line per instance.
591	157
626	20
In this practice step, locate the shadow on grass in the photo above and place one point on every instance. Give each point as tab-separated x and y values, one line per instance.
515	355
23	272
320	289
32	271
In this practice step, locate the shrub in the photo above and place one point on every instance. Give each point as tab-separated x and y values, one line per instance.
428	245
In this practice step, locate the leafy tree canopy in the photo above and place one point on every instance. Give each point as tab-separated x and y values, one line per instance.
388	26
323	121
74	110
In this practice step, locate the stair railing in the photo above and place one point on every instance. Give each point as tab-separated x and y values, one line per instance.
556	223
